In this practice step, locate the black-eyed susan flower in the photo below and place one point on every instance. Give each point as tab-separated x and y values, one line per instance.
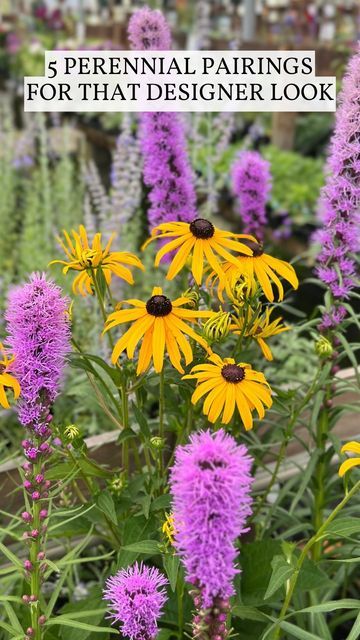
258	327
7	381
86	258
259	267
168	528
161	324
228	385
350	447
201	241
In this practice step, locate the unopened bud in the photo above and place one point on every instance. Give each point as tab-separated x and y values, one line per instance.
157	443
217	327
323	347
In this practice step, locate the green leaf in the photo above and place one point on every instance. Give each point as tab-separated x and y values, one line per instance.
282	571
249	613
11	556
75	624
332	605
256	566
298	633
171	564
105	503
343	527
141	420
355	630
143	546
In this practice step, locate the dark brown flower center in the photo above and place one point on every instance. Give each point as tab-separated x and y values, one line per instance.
233	373
201	228
159	306
256	248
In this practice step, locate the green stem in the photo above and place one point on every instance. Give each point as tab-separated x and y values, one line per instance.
309	545
35	583
125	421
320	478
161	419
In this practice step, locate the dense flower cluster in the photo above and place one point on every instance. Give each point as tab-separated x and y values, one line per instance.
251	183
167	170
125	177
149	30
38	335
136	596
340	199
210	486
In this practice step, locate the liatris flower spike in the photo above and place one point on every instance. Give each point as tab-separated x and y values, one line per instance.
161	324
210	487
148	30
228	385
88	259
7	381
201	240
340	199
251	183
136	597
350	447
39	336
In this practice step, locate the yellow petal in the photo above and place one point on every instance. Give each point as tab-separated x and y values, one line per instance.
351	447
347	465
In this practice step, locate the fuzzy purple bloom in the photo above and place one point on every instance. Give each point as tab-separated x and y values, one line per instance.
39	337
125	176
136	598
251	183
339	209
210	486
148	30
167	170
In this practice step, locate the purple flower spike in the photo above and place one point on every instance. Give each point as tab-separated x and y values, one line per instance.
39	336
339	209
251	183
148	30
167	169
210	486
136	599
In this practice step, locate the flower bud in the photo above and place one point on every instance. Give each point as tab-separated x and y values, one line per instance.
42	620
30	631
217	327
27	565
34	533
41	555
25	599
71	432
39	479
157	443
323	347
35	495
27	485
193	298
26	516
43	514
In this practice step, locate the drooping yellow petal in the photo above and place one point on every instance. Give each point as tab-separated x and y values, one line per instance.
145	353
351	447
229	406
158	344
347	465
180	258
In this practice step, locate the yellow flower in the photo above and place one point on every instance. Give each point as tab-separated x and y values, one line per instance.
229	385
168	528
86	259
7	381
160	323
260	267
352	447
249	324
201	239
218	326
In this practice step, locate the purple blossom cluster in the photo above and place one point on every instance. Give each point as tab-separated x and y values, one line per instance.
251	183
136	596
39	337
210	486
167	170
149	30
340	198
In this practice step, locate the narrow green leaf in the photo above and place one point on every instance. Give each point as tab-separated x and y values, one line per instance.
11	556
141	420
71	622
332	605
106	504
282	571
343	527
355	630
249	613
143	546
298	633
171	564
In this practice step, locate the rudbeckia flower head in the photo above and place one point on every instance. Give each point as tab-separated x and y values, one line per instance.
7	381
258	327
350	447
228	385
259	267
87	257
161	324
201	241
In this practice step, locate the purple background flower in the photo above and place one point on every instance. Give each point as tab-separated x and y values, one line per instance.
251	183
